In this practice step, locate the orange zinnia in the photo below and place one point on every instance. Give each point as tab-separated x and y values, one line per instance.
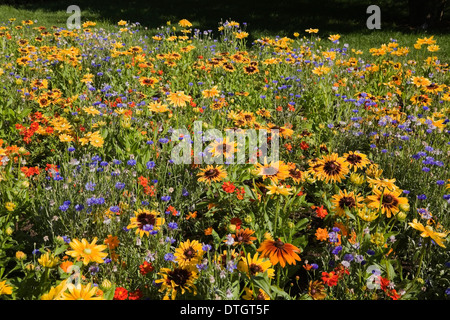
279	252
321	234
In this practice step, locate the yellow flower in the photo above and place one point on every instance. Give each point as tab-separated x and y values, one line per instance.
48	260
87	251
5	288
82	292
321	70
65	138
178	98
210	93
310	30
20	255
55	293
278	189
377	239
10	206
184	23
427	231
334	37
122	23
367	215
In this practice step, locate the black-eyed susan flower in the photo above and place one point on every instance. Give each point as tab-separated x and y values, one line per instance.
145	221
346	201
279	252
275	170
356	160
177	280
178	99
189	254
249	295
331	168
212	174
388	201
255	265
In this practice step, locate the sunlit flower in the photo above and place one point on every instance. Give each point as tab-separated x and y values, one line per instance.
279	252
87	251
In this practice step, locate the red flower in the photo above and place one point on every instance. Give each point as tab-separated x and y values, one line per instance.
146	267
330	279
304	145
228	187
237	222
321	212
120	293
136	295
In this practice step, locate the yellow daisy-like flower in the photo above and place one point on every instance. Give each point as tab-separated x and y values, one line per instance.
82	292
178	99
346	200
55	293
210	93
367	215
255	265
5	288
65	138
382	183
311	30
274	171
189	254
388	201
177	280
427	231
278	190
145	221
262	295
158	107
87	251
331	168
184	23
356	160
212	174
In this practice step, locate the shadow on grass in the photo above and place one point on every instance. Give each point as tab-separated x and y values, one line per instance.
273	17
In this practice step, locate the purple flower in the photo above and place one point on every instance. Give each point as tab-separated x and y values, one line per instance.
172	225
120	185
336	250
131	162
169	257
421	197
150	165
90	186
165	198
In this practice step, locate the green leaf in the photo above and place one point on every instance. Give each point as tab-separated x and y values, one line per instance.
263	283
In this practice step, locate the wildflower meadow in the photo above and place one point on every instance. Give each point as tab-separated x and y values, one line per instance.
197	164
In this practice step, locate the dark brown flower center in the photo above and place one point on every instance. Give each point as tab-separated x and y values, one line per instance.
179	276
211	173
254	269
332	168
145	218
354	159
279	244
189	253
348	202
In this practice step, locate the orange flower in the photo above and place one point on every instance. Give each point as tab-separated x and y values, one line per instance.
65	266
279	252
208	231
321	212
321	234
111	242
243	236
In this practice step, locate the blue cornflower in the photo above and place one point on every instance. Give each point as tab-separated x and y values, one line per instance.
184	193
71	149
206	247
169	257
165	198
90	186
348	257
150	165
370	252
36	252
131	162
63	207
120	185
336	250
163	140
172	225
114	209
440	182
421	197
117	162
314	266
79	207
147	227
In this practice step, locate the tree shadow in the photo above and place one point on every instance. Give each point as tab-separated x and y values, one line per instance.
273	17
